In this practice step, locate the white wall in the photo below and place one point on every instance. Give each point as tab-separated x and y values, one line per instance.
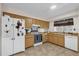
67	14
76	24
73	14
51	26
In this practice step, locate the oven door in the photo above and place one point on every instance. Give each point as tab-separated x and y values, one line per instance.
37	38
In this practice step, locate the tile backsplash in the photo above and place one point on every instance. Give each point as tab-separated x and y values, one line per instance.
42	30
65	29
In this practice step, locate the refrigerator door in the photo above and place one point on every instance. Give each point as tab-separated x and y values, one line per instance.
7	35
19	35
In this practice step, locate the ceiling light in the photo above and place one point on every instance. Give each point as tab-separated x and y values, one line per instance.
53	7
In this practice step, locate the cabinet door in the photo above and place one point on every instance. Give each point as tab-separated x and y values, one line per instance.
19	42
46	25
44	38
28	23
41	24
60	40
29	42
54	39
50	39
35	21
7	35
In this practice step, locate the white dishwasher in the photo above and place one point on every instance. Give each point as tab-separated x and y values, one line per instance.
71	42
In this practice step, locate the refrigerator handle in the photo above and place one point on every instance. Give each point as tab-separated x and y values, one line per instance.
13	38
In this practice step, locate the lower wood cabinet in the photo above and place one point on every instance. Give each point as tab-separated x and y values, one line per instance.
44	37
49	37
60	40
56	38
29	41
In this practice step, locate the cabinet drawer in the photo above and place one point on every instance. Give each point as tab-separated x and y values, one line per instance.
29	38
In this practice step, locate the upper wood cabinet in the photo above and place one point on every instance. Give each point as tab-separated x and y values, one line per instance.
43	24
28	23
46	25
35	21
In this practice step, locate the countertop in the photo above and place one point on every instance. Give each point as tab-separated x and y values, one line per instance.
66	33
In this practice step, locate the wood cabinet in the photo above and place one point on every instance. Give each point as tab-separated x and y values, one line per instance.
29	40
28	23
46	25
56	38
43	24
35	21
60	40
44	37
50	39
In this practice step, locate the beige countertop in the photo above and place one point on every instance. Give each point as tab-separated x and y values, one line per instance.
66	33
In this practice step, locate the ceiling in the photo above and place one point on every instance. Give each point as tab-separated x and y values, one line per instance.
42	10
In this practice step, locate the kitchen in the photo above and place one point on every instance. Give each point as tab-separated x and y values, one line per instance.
21	33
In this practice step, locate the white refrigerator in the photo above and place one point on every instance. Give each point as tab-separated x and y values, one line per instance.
13	35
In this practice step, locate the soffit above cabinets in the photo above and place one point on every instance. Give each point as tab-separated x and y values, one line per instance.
42	10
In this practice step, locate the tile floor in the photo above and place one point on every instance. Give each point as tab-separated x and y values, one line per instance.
48	49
